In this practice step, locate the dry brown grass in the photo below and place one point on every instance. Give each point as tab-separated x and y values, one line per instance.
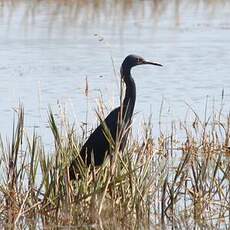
86	12
153	183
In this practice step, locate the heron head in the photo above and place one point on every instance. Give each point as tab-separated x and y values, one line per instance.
134	60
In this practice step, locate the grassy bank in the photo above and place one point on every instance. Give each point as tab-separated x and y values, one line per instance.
154	182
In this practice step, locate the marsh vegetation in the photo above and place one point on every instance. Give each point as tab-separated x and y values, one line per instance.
154	182
83	13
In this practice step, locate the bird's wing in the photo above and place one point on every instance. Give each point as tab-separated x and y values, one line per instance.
98	141
111	121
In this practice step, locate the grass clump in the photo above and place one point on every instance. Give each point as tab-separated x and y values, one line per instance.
155	182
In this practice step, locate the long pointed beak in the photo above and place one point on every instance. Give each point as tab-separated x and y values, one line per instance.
151	63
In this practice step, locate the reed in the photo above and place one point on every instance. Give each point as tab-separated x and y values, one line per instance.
84	12
154	183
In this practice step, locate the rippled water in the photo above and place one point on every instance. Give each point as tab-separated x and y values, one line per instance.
46	57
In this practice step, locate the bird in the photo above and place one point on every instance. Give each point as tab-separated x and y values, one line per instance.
116	125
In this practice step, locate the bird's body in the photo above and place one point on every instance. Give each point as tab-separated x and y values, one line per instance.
93	145
117	122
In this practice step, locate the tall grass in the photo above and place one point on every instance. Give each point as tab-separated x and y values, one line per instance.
154	183
86	12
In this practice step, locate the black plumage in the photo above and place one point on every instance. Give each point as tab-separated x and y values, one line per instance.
117	122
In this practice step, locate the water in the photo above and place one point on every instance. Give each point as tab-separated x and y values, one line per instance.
47	51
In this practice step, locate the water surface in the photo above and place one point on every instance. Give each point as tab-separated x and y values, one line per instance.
47	50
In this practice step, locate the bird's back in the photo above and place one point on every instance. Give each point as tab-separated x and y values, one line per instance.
97	143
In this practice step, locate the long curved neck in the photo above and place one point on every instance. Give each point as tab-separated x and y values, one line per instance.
130	95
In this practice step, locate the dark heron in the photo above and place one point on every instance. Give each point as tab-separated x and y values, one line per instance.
117	123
